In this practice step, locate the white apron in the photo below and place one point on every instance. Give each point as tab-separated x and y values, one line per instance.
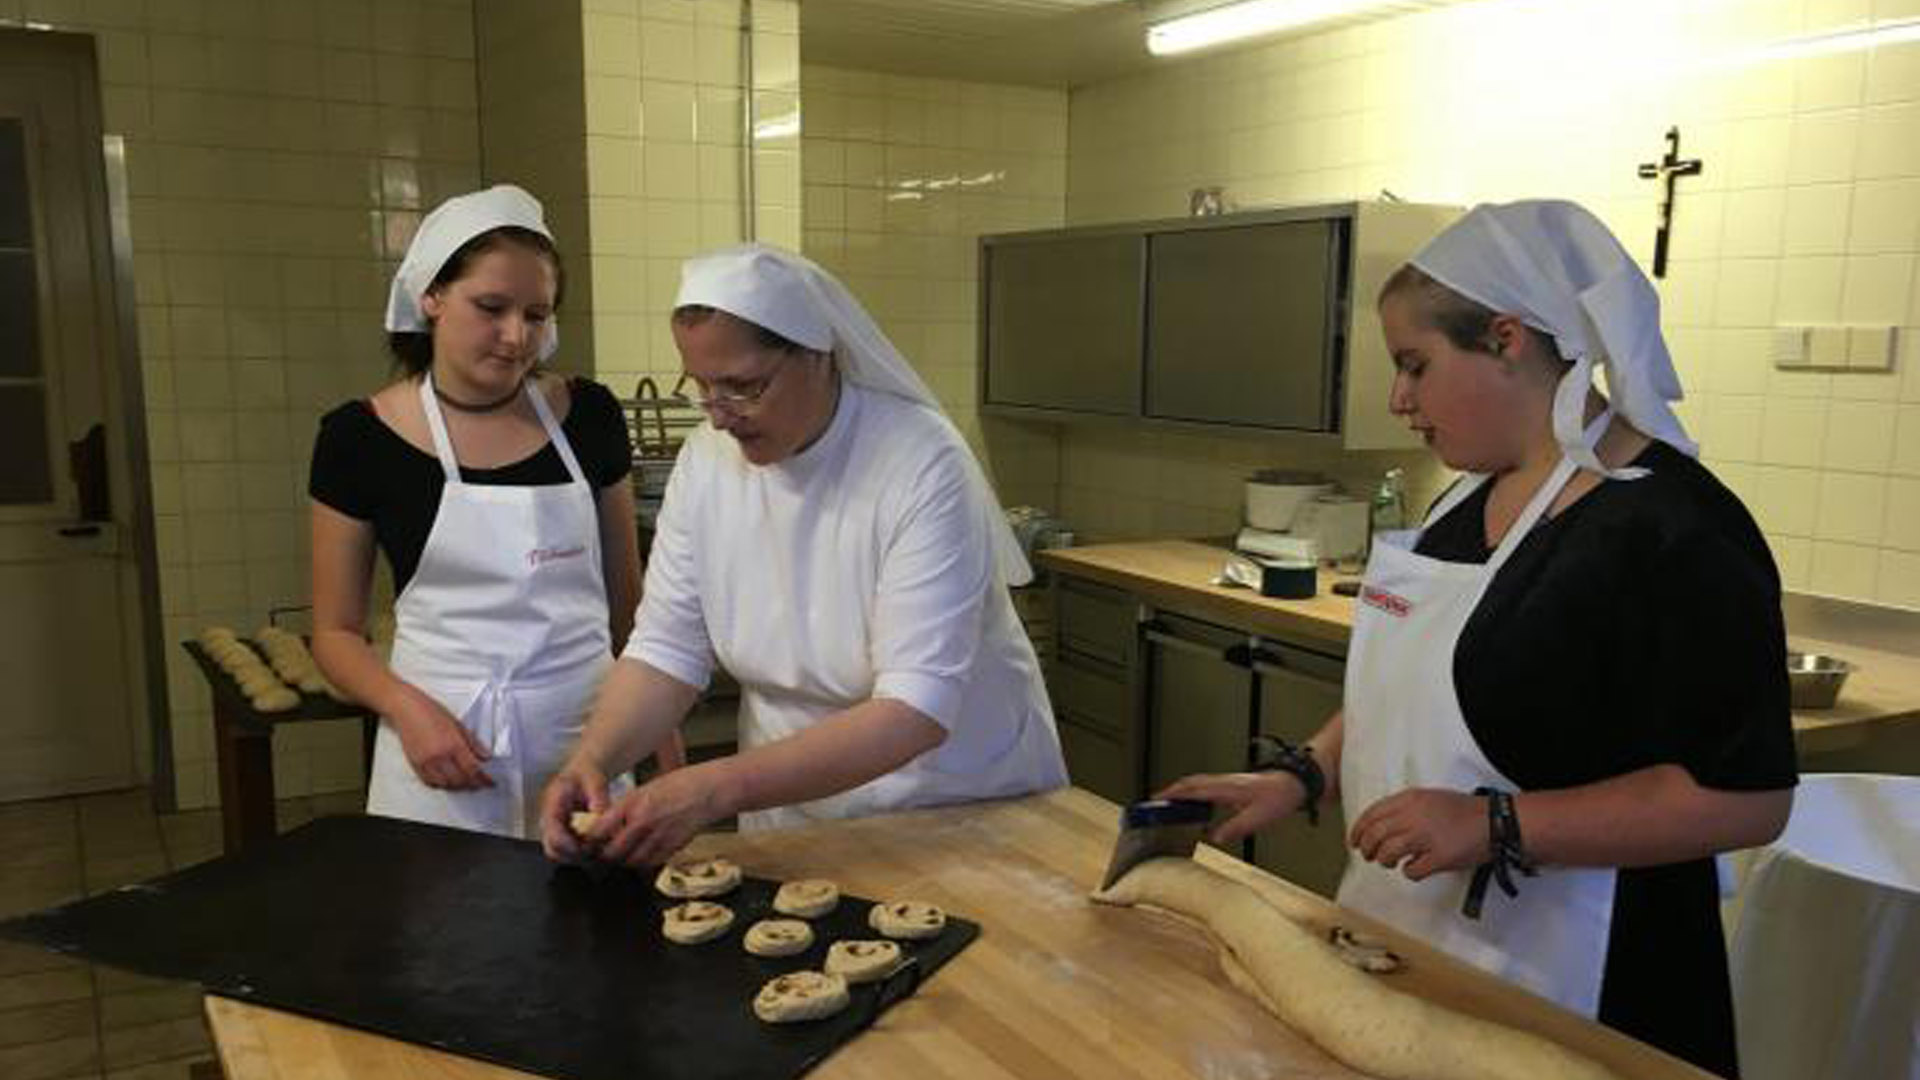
1404	729
504	623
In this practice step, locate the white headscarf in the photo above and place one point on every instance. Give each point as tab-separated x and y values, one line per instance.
441	233
792	296
1554	265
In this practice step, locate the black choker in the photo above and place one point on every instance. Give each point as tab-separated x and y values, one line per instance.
491	406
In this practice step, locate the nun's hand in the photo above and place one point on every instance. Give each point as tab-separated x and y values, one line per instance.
443	753
659	817
1253	800
1423	831
577	787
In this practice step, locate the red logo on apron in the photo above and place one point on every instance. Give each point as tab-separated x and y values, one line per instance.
1394	605
541	556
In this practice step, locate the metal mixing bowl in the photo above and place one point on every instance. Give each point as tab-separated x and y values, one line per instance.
1815	679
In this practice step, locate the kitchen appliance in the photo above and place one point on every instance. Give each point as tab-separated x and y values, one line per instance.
1337	525
1275	497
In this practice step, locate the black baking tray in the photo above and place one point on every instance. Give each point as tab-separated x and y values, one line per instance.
477	945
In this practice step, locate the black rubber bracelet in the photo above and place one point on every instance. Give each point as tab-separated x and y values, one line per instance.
1506	854
1270	754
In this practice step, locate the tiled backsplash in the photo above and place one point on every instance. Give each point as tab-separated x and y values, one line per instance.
1808	210
902	176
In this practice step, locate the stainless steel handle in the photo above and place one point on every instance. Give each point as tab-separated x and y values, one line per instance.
1235	654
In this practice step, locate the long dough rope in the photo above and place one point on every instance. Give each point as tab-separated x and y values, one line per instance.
1348	1013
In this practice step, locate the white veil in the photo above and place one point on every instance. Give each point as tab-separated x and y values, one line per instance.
792	296
1558	268
441	233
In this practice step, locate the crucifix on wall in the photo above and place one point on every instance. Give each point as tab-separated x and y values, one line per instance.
1667	170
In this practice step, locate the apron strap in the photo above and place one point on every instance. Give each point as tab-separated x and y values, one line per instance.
442	445
555	435
1563	472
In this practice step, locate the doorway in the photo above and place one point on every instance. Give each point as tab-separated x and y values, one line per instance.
78	599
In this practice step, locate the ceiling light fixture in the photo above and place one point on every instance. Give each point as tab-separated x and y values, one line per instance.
1838	41
1251	18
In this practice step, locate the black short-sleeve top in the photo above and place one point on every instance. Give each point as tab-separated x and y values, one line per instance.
1640	626
366	470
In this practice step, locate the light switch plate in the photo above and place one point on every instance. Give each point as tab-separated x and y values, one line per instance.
1827	347
1870	348
1790	346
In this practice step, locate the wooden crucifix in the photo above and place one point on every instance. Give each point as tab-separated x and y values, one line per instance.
1667	170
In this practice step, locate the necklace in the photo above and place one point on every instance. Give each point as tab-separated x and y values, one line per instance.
491	406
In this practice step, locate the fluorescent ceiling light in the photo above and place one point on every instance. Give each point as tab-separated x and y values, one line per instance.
1859	37
1249	18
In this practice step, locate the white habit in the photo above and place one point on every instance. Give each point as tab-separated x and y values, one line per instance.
861	567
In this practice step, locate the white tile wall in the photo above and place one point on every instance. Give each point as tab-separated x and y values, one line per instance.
901	176
272	154
1808	211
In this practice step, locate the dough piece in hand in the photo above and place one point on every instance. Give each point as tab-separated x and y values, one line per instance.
907	919
779	937
863	961
582	821
807	899
800	995
1357	1017
313	682
694	922
279	699
697	878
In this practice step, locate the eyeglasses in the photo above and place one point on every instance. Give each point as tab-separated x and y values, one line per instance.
736	402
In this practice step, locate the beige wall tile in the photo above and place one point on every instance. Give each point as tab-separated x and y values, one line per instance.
1897	579
1902	526
1852	508
1785	501
1844	570
1860	436
1792	431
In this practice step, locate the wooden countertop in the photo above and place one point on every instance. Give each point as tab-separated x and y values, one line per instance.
1179	574
1056	986
1884	692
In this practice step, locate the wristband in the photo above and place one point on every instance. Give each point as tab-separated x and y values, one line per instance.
1507	853
1270	754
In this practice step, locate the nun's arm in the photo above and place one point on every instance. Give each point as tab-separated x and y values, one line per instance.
837	754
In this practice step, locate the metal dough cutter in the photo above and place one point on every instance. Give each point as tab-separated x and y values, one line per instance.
1157	827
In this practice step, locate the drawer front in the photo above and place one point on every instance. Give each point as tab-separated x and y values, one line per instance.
1095	620
1096	701
1098	762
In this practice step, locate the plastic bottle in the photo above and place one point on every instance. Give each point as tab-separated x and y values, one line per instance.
1389	506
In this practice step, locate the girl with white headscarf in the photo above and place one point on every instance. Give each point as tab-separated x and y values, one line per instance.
499	496
829	539
1570	683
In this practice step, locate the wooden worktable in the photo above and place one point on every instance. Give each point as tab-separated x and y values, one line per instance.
1055	987
1884	693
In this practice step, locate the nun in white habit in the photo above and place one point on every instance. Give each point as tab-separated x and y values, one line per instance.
1566	692
830	541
